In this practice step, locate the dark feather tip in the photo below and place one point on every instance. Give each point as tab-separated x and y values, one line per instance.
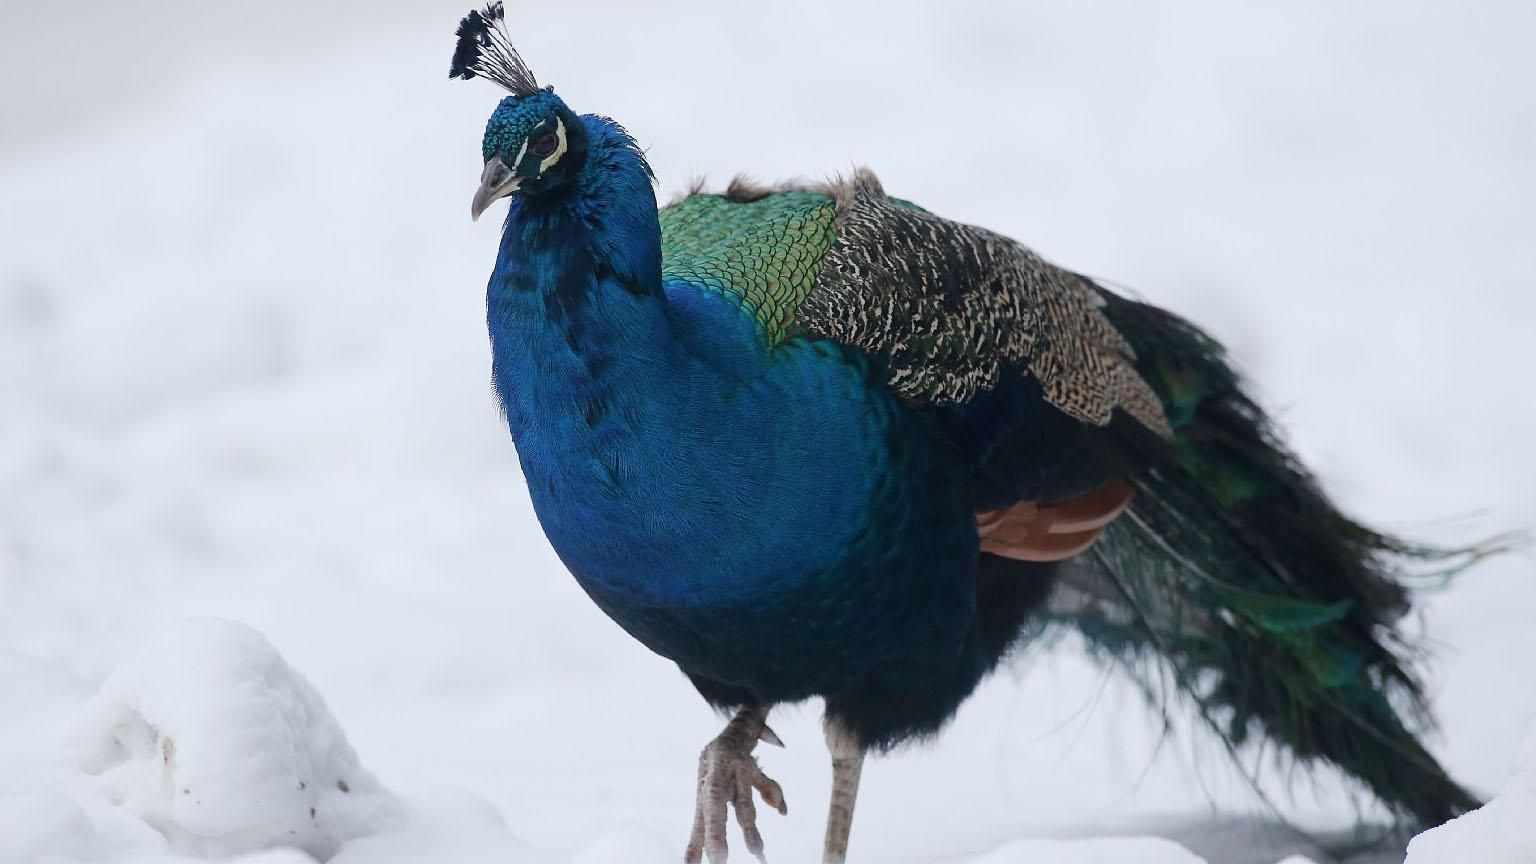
485	51
473	30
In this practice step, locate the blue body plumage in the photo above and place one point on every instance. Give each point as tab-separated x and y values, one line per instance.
768	518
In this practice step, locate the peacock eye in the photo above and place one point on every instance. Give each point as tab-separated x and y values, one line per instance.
545	144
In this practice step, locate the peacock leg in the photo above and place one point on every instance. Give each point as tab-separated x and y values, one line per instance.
727	775
847	765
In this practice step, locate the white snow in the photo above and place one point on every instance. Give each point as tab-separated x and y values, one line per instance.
210	738
1503	831
207	745
243	376
1142	850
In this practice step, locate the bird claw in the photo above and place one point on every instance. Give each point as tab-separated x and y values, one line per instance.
728	774
768	736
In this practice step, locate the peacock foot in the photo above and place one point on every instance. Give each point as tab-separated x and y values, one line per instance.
728	773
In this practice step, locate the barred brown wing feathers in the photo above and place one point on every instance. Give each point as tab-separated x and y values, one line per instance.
950	307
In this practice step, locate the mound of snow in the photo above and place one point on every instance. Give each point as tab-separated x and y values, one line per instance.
1503	831
206	744
214	741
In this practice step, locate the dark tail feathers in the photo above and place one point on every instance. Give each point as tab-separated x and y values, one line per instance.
1273	610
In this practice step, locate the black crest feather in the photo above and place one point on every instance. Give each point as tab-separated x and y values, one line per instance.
485	50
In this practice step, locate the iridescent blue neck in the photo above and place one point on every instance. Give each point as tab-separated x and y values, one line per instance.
606	220
577	283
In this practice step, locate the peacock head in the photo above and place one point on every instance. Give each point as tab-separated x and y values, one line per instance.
533	143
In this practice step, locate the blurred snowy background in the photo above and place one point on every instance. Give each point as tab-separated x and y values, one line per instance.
243	374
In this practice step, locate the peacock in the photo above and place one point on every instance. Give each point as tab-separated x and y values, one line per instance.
813	440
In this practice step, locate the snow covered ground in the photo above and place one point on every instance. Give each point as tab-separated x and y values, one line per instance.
243	376
1503	830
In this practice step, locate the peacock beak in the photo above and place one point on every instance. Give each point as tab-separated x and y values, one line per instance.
496	181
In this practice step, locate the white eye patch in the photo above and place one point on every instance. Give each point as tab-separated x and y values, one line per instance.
521	152
554	157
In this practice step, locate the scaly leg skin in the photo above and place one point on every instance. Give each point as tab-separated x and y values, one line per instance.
847	766
727	775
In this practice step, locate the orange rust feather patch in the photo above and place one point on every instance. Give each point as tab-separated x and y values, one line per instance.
1029	532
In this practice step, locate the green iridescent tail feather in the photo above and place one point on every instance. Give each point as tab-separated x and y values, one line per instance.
1275	612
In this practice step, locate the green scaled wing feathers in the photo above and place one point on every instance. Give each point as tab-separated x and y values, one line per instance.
763	253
